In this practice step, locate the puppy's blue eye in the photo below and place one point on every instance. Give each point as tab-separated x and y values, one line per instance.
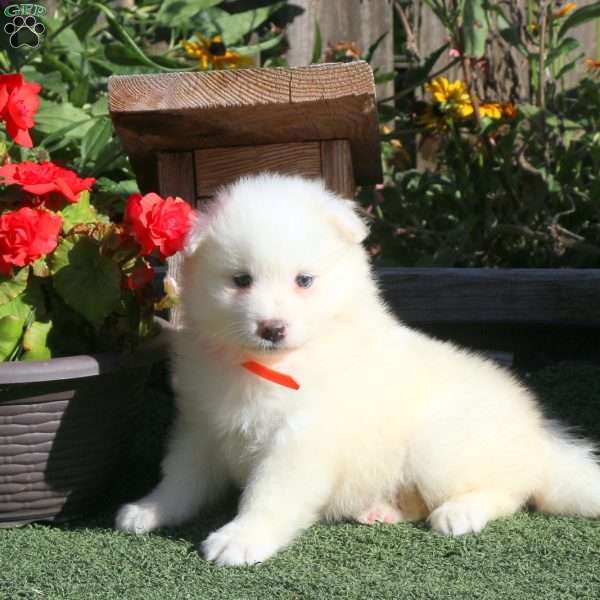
243	280
304	281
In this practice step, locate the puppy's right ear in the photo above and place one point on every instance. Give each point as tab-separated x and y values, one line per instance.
197	233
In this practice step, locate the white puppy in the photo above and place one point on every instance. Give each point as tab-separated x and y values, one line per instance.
386	424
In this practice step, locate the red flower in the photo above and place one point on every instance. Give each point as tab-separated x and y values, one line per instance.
157	222
19	102
140	277
42	179
26	235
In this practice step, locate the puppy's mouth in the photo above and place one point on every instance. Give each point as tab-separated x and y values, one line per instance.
270	347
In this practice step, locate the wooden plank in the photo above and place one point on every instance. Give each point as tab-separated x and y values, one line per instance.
493	295
219	166
336	167
176	178
245	107
361	22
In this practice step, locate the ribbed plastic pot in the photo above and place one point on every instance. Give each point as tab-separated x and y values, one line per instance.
66	427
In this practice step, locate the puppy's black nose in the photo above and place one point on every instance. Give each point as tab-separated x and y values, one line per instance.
272	330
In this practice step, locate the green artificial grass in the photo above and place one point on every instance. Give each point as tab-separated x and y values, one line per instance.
528	556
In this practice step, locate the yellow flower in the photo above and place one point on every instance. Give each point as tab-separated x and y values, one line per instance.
565	10
452	97
442	91
212	53
433	119
462	110
593	66
492	110
509	110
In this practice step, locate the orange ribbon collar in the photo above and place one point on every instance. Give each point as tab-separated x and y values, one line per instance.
271	375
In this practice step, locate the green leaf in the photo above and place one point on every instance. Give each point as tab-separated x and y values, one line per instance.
475	25
416	77
11	287
40	268
94	141
579	17
112	158
529	110
565	46
509	31
79	92
260	46
85	24
16	308
30	301
71	121
178	13
100	107
87	281
125	38
10	334
317	46
51	82
125	56
233	27
35	341
385	113
67	38
371	50
80	212
566	68
385	77
118	188
111	68
28	304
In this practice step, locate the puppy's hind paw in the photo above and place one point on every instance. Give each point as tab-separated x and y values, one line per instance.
136	518
380	513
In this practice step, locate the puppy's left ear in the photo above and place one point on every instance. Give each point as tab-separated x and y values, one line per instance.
344	215
197	233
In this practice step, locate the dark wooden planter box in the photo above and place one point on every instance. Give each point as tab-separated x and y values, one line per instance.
66	426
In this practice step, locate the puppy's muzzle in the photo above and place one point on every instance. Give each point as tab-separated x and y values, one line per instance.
272	330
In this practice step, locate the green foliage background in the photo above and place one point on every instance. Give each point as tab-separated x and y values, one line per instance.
532	199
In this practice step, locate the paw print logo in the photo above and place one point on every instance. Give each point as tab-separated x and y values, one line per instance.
24	31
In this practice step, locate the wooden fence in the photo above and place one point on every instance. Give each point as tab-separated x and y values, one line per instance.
363	21
358	21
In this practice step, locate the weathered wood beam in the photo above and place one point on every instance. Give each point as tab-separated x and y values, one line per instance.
247	107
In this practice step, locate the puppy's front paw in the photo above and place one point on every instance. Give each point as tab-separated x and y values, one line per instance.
239	544
457	517
136	518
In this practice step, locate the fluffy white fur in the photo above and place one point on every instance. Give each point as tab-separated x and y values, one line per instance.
387	425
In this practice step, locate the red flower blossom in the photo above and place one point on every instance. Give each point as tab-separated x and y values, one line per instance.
157	222
26	235
43	179
19	102
140	277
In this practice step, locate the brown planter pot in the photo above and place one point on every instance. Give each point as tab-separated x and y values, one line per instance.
66	426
